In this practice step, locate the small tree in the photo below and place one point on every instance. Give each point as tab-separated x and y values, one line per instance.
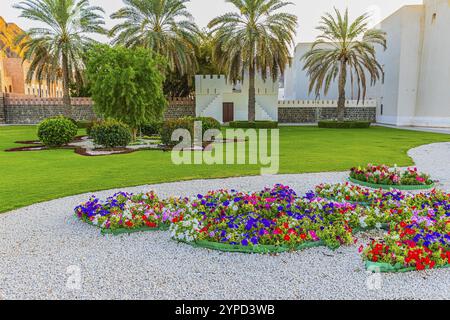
126	84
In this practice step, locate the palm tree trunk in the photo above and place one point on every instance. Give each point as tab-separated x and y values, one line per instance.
252	94
342	83
66	92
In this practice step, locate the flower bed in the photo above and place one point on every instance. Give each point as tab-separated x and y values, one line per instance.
128	213
385	177
277	220
418	238
272	217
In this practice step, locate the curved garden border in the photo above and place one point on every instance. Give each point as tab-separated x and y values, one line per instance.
260	249
389	187
381	267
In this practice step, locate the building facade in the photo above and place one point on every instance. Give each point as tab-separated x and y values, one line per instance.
13	70
218	98
416	88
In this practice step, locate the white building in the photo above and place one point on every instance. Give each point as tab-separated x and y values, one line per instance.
416	89
218	98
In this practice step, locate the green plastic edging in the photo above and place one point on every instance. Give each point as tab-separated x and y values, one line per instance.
389	187
382	267
117	232
251	249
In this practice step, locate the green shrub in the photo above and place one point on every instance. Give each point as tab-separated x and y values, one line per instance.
344	124
152	128
208	123
254	125
111	134
84	124
57	131
170	126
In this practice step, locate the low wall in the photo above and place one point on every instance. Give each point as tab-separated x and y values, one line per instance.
308	111
15	109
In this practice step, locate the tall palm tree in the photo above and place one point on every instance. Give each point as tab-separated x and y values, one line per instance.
64	35
257	39
344	48
165	26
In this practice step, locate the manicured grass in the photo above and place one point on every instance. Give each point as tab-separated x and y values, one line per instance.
30	177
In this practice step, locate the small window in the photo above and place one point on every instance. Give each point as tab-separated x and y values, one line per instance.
10	89
382	109
433	18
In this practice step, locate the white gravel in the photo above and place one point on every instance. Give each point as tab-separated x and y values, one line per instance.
43	246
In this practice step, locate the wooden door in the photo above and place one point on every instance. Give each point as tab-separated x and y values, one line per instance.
228	112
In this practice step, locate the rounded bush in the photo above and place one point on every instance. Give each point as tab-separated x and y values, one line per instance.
344	124
187	123
111	134
152	128
57	131
171	125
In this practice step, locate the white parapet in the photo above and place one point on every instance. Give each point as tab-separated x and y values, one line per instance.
369	103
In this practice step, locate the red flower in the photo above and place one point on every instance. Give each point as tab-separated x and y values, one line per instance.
129	224
287	238
303	236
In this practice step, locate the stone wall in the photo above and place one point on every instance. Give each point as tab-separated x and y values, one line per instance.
180	108
20	109
32	110
2	110
315	114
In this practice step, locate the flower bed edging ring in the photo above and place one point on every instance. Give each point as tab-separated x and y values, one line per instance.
389	187
381	267
117	232
260	249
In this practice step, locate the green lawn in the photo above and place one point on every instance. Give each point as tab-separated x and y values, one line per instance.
30	177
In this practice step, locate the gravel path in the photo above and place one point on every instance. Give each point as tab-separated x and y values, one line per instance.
42	248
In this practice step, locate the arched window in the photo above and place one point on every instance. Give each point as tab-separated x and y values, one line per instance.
10	89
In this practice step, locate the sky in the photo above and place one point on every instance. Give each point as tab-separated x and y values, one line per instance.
308	11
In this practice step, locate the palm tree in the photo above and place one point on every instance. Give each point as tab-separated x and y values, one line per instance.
344	49
64	35
257	39
165	26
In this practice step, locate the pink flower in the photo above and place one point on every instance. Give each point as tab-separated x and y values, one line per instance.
313	235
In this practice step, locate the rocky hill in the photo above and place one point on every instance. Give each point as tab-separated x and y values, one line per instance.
8	34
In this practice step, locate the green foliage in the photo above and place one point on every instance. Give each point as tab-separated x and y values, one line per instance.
57	131
111	134
126	84
186	123
254	125
207	123
171	125
344	124
152	128
60	41
344	48
165	27
84	124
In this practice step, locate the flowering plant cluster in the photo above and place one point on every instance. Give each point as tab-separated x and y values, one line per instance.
419	234
270	217
347	192
418	225
385	175
128	211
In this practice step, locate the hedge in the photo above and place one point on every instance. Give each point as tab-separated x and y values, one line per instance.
345	124
254	125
